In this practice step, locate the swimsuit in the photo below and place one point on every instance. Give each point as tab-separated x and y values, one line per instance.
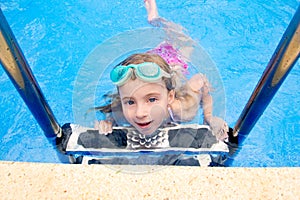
170	55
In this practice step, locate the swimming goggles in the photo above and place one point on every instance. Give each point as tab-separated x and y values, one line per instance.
147	71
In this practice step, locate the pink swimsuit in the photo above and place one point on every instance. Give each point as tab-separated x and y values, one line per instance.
170	55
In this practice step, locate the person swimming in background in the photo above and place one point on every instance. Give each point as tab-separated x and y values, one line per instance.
153	89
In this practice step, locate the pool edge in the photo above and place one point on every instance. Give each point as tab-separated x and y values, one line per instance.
63	181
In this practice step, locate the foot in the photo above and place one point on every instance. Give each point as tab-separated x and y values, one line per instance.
151	8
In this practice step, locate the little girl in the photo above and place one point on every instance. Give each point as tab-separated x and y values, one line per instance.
150	95
184	97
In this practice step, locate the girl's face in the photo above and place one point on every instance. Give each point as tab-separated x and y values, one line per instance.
145	104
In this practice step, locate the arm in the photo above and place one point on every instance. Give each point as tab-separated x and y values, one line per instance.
190	97
207	101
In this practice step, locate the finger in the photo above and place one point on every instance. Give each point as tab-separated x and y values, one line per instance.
101	127
104	127
109	130
108	127
96	124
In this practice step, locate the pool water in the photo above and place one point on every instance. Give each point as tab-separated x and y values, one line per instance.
239	36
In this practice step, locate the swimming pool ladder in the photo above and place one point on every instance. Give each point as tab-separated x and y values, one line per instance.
15	65
281	63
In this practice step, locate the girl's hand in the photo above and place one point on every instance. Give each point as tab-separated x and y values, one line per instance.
103	126
219	128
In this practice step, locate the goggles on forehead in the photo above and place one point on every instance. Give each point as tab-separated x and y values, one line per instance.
147	71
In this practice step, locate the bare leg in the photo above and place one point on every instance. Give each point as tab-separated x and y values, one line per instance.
151	8
175	32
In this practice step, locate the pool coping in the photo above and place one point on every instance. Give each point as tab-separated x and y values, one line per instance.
66	181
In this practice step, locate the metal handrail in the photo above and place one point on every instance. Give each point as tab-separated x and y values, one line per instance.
15	65
281	63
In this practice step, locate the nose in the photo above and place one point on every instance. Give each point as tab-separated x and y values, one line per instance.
141	111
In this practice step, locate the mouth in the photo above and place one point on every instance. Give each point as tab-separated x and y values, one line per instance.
144	125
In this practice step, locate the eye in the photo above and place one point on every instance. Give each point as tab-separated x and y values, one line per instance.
152	99
130	102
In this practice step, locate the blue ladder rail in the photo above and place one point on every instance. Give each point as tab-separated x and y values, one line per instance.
281	63
15	65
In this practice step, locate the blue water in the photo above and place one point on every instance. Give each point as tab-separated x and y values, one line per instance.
240	37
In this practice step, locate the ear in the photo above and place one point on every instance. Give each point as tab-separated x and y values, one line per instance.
171	96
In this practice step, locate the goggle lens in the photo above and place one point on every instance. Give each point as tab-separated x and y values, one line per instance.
146	71
118	73
149	72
